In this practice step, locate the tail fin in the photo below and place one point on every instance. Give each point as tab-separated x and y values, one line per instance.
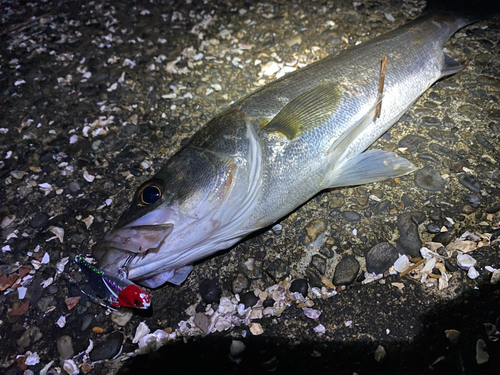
469	10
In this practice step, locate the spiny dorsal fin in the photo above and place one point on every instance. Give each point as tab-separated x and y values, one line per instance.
307	111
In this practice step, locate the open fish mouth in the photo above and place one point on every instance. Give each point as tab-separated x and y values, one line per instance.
122	244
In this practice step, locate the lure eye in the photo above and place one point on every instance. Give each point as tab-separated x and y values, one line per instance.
149	193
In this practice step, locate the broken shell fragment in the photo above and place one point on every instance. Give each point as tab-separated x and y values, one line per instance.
401	264
465	261
472	273
256	329
141	331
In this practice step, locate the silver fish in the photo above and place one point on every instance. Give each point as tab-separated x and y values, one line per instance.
276	148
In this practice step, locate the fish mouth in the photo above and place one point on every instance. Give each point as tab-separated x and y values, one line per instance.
120	245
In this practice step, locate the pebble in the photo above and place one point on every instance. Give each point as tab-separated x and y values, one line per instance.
210	291
65	347
313	278
411	142
327	251
122	317
409	241
380	354
74	186
39	220
444	238
319	263
299	286
240	283
249	299
31	335
86	321
433	228
429	178
481	355
315	229
237	347
351	216
430	121
251	268
256	329
470	183
337	202
107	348
383	206
346	270
202	321
452	335
278	269
493	209
381	257
294	40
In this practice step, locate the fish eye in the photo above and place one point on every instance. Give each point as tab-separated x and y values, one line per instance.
149	193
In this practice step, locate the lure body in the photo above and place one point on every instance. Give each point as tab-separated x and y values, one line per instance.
111	291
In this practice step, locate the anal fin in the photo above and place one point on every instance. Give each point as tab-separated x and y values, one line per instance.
451	66
369	166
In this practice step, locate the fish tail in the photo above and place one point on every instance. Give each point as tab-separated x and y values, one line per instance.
468	11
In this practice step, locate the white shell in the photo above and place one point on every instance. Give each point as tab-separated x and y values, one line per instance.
311	313
472	273
141	331
402	263
320	328
465	261
70	367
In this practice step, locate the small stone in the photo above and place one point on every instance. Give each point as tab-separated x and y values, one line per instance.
409	242
65	347
481	355
411	142
381	257
313	278
249	299
202	321
240	283
443	238
294	40
299	286
319	263
452	335
351	216
237	347
209	291
327	251
97	329
315	230
30	336
107	348
470	183
337	202
278	269
122	317
433	228
256	329
429	178
380	354
39	220
86	321
346	270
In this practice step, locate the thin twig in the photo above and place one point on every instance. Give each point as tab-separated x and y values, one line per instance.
381	85
412	267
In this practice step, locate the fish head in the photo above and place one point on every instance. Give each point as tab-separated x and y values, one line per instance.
170	219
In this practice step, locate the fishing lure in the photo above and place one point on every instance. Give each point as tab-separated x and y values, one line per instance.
111	291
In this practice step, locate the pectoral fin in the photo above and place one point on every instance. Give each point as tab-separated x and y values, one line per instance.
307	111
175	277
369	166
341	145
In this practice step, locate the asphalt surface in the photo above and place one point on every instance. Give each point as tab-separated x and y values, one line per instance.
92	104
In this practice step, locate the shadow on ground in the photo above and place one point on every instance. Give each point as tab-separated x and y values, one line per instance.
428	353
